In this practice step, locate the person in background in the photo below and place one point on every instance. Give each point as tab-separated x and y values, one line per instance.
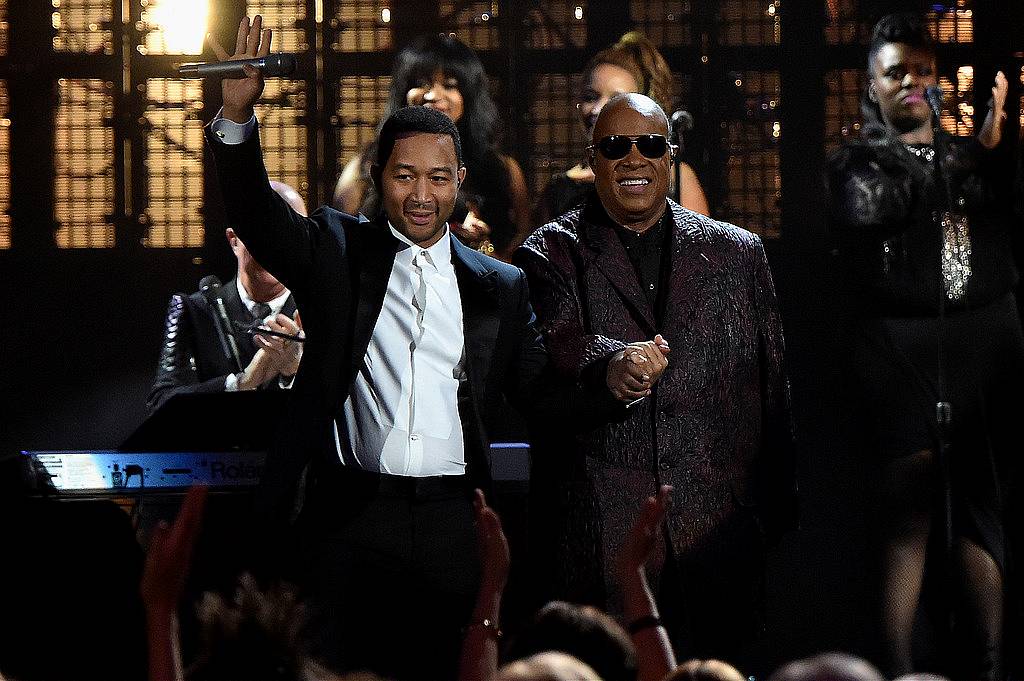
712	418
440	72
934	319
631	65
192	358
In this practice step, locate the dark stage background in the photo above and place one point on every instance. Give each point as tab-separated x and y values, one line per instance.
107	203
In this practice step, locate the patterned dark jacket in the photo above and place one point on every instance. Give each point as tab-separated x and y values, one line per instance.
718	425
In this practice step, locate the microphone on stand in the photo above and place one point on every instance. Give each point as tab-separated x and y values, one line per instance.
682	123
210	288
273	65
933	94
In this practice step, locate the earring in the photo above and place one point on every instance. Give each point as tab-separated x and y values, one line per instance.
872	95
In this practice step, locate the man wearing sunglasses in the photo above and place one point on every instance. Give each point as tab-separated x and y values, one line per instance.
711	419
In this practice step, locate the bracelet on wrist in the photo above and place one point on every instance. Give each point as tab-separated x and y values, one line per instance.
645	622
488	624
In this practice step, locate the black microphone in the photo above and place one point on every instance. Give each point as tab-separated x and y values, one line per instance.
271	66
209	286
933	93
682	121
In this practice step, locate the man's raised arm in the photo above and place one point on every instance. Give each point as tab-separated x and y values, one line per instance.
280	239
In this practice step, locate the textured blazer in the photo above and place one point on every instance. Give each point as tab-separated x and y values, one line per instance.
717	427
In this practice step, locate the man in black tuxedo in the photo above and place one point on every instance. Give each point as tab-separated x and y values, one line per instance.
413	340
192	356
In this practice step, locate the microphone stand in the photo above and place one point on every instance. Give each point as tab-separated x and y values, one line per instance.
943	409
677	167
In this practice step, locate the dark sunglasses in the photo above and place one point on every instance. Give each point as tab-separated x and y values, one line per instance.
614	147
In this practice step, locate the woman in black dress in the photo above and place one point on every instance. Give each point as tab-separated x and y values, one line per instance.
936	321
492	213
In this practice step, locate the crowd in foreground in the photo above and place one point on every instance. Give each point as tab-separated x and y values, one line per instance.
261	632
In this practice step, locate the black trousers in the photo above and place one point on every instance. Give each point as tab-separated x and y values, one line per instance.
390	571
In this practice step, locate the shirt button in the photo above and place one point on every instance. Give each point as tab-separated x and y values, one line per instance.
663	465
414	437
651	287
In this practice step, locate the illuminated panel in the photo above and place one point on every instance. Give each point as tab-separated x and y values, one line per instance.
364	27
952	22
83	164
3	28
957	110
557	25
1021	112
556	131
749	22
5	169
282	134
750	142
79	25
283	17
665	22
174	163
843	24
175	26
842	105
362	102
472	22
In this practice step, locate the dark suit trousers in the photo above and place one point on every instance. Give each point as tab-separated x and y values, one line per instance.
390	569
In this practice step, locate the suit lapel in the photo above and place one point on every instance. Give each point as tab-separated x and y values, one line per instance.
614	264
690	267
377	248
480	312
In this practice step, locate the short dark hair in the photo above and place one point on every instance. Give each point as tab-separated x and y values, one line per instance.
414	119
903	27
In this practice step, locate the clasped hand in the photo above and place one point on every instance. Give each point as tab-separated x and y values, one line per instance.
634	370
275	356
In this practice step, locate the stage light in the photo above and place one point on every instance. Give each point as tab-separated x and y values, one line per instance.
178	26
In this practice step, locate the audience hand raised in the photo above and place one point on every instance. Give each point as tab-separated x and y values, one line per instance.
170	555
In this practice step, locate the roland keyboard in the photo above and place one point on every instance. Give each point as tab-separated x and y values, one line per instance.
92	471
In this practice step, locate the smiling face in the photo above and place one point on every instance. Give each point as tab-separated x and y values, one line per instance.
441	93
633	189
418	185
899	75
605	81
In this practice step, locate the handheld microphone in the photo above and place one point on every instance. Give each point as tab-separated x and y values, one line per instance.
209	286
272	65
933	94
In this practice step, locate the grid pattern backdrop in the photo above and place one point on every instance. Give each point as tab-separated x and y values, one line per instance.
128	160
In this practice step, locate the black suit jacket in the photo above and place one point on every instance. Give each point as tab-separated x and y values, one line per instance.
337	266
192	359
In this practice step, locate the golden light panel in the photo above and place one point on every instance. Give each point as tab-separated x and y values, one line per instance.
175	26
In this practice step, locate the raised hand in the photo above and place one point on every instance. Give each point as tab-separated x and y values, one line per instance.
991	132
492	544
640	540
169	555
239	94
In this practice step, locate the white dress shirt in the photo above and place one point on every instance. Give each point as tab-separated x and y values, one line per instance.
402	414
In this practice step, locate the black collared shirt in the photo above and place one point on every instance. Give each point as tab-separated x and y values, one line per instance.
647	251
